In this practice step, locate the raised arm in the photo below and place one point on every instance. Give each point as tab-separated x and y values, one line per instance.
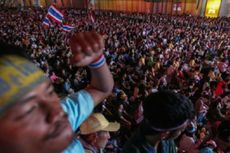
87	49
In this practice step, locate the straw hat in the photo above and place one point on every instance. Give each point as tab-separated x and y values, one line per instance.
97	122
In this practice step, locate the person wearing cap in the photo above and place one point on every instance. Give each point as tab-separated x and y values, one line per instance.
166	116
95	132
32	117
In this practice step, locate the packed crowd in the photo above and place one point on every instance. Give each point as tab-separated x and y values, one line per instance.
145	53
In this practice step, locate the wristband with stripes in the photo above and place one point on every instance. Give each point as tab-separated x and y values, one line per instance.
99	62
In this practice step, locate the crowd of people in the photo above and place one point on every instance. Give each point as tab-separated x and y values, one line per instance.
146	53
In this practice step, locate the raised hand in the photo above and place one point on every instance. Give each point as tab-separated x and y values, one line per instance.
86	47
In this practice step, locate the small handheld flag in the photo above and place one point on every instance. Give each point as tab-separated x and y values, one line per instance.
46	22
67	28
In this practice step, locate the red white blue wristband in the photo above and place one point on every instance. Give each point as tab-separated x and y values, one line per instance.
99	62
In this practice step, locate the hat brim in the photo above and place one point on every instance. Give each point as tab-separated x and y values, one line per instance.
112	127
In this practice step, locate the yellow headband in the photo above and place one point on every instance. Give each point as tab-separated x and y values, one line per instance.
18	76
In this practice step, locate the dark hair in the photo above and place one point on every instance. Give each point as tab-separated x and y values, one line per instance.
166	109
224	131
8	49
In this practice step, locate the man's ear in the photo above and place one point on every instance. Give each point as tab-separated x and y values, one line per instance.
164	135
94	136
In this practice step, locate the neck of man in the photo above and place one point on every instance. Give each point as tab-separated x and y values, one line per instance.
153	140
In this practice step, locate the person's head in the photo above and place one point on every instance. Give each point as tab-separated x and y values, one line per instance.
166	114
31	118
95	130
122	96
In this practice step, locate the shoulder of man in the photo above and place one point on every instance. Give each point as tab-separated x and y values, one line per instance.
137	144
134	149
138	147
168	146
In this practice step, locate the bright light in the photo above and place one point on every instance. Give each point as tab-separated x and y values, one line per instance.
212	8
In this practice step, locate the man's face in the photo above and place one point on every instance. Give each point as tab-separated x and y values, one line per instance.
35	124
176	133
102	139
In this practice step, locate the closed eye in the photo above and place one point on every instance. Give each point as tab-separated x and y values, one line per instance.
26	113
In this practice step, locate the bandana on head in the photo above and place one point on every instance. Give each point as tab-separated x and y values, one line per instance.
18	76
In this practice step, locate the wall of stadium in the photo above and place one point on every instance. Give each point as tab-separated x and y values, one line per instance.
164	6
193	7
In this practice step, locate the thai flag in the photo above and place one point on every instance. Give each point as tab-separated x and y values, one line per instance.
55	14
46	22
67	28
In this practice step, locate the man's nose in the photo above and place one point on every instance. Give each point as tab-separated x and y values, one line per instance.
52	109
55	113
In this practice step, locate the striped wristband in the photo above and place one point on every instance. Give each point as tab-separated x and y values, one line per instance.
99	62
